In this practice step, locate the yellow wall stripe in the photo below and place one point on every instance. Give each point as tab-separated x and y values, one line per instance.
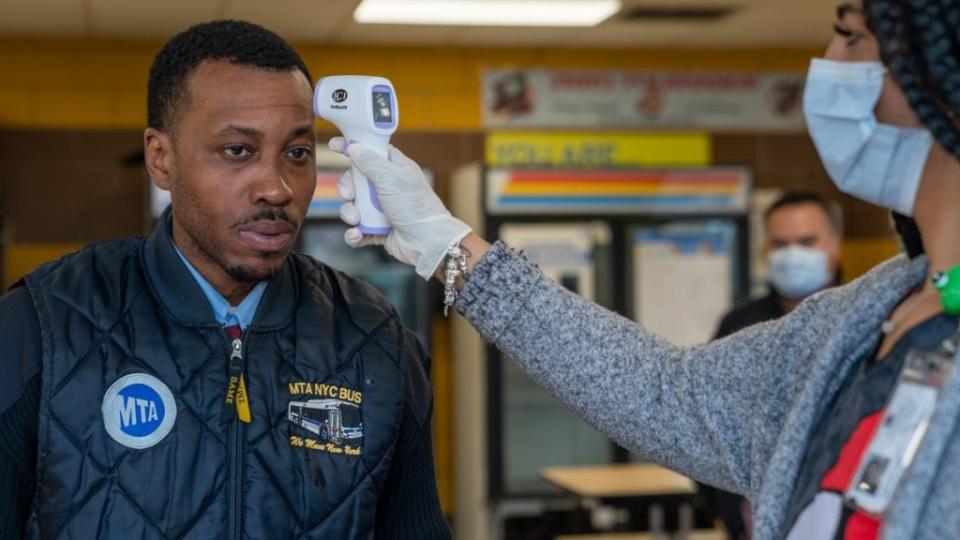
101	84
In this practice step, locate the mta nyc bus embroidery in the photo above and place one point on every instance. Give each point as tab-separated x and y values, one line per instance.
138	411
325	418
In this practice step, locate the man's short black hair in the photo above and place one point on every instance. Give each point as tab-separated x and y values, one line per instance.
793	198
238	42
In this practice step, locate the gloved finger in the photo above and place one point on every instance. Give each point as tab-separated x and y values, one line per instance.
338	144
369	163
401	159
349	214
354	238
346	188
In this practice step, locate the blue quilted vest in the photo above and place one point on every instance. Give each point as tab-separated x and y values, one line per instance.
135	374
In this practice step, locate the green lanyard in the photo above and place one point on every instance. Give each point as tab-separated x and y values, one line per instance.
948	285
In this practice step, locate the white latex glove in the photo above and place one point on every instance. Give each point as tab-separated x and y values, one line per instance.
422	229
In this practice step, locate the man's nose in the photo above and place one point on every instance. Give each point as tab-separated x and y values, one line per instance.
271	187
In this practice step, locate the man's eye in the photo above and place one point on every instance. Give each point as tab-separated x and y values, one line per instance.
300	153
236	151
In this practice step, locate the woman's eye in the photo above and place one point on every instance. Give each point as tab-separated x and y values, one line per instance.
851	36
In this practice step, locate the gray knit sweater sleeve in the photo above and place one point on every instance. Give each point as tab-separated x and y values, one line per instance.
712	412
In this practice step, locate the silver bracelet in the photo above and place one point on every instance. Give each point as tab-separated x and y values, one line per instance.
456	266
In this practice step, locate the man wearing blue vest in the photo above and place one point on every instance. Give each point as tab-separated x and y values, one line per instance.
204	382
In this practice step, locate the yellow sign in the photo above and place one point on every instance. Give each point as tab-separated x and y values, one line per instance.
600	150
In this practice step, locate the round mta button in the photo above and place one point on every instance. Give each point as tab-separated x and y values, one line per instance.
138	410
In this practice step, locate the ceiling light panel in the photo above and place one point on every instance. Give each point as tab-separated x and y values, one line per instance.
486	12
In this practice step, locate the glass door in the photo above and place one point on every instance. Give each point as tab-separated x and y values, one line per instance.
536	430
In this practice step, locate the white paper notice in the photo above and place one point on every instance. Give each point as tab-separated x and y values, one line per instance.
683	280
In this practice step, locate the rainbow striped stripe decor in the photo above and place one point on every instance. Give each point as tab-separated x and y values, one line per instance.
325	202
669	191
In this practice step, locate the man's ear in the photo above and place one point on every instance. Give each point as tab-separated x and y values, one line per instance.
158	156
836	247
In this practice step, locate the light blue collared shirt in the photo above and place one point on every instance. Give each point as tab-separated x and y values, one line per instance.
227	315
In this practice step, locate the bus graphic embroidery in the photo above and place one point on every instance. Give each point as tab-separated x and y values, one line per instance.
332	420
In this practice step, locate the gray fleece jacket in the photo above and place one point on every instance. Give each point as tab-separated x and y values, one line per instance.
735	413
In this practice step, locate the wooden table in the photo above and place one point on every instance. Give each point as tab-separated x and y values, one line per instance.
619	480
624	482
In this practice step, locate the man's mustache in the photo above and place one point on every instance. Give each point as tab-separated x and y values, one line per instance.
269	214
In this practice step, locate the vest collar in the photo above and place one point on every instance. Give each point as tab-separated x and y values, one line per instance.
182	298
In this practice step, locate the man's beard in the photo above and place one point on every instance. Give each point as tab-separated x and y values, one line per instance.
239	272
211	251
243	274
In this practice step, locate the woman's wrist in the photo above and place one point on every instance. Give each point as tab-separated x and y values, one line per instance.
474	248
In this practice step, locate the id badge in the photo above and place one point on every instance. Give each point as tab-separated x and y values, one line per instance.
902	427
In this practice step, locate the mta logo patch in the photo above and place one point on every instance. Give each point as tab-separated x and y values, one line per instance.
138	410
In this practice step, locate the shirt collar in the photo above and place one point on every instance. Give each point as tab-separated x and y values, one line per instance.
227	315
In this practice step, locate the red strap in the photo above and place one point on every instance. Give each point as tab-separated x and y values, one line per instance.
860	526
841	474
233	331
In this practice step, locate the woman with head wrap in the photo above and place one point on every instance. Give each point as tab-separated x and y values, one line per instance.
841	420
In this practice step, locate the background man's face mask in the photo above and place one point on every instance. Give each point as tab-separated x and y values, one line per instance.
797	271
879	163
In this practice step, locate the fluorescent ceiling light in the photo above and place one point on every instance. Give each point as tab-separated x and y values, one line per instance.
486	12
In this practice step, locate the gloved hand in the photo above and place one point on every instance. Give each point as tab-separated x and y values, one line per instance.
422	227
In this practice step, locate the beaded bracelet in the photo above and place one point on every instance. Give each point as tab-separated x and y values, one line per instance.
456	266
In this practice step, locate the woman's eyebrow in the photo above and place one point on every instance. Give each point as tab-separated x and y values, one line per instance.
847	8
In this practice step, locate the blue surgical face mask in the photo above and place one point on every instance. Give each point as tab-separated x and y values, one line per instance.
879	163
797	271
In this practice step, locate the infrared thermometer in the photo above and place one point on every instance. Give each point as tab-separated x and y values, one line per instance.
365	111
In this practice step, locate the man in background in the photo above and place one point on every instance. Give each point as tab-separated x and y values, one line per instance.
802	246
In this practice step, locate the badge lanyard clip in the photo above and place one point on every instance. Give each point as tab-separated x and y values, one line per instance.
901	428
235	401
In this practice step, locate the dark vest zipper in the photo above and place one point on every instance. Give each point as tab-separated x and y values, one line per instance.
236	493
